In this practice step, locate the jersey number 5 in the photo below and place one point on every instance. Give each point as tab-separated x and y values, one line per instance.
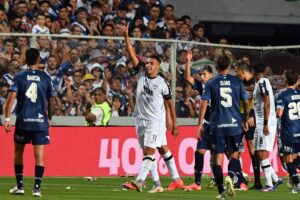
31	92
294	110
226	97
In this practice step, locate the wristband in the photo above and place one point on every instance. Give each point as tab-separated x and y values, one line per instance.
7	119
266	122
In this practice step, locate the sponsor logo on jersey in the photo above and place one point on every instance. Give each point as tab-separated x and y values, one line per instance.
33	120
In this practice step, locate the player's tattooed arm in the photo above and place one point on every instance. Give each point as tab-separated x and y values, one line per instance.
169	122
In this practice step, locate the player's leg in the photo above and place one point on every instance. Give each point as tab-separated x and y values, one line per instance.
21	138
171	165
155	177
234	165
289	156
148	138
39	140
18	168
218	148
249	136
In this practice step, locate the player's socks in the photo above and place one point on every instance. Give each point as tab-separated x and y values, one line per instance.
274	175
234	168
267	169
39	172
170	162
199	161
256	170
19	175
218	174
297	162
154	174
293	172
146	167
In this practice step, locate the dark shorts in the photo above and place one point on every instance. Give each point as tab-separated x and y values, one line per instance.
34	137
221	144
249	135
287	147
205	142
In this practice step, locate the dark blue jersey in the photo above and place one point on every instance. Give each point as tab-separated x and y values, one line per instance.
289	101
33	88
224	93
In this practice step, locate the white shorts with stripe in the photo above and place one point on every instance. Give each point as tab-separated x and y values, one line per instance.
261	141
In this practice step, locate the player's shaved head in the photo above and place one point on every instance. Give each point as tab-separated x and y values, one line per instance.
32	56
243	66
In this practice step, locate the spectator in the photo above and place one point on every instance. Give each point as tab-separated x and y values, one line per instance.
154	15
99	113
44	8
185	35
170	30
198	33
168	13
131	12
3	96
13	68
4	25
15	24
116	90
52	67
22	10
183	106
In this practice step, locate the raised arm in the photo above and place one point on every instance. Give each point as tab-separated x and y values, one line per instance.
129	47
188	76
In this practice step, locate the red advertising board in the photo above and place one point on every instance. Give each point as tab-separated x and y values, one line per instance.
109	151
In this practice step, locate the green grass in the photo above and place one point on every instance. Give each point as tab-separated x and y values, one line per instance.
110	188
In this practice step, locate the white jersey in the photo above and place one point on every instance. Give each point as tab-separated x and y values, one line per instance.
262	88
150	96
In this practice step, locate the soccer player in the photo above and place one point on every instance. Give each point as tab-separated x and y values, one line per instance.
288	109
206	73
34	93
243	71
225	92
152	92
265	117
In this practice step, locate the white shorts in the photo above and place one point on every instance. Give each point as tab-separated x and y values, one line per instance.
151	133
262	142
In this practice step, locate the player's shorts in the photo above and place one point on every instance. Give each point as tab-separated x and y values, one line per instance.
205	142
249	135
151	133
288	147
34	137
262	142
221	144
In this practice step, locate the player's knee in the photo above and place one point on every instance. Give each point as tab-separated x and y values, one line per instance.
201	151
163	149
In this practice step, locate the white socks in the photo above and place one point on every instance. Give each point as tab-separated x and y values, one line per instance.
146	167
267	169
170	162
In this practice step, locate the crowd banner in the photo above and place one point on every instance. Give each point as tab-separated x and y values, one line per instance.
110	151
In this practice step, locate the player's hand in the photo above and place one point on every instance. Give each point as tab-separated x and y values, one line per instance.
245	127
175	131
266	130
189	55
169	125
7	126
251	122
200	131
49	123
124	30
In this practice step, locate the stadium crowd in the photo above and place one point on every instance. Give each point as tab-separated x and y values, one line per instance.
79	66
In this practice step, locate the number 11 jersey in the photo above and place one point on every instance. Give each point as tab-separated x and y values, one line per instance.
33	88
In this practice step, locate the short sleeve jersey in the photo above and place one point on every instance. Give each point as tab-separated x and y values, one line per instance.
225	92
33	88
289	102
150	96
263	88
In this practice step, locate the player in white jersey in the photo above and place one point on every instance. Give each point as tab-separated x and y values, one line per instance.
152	94
265	131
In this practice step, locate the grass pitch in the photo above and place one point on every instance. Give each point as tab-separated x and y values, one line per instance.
110	189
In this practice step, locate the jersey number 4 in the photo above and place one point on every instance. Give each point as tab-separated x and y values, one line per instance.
294	110
31	92
227	98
